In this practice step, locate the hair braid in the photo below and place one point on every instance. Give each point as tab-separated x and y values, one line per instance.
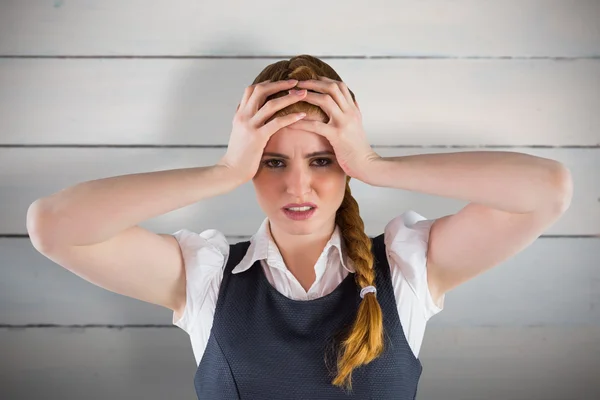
364	342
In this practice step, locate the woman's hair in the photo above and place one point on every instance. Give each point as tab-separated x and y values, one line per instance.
364	341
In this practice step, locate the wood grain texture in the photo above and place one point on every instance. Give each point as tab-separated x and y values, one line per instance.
459	363
96	89
437	28
403	102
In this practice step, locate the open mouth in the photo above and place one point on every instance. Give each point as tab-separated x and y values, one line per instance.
299	213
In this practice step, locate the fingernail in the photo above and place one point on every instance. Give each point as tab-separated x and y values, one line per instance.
298	92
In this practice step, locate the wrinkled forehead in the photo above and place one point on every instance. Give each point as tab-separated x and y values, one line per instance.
295	142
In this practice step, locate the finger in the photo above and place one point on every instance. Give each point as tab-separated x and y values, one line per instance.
247	93
346	92
265	89
278	123
250	89
273	106
319	127
328	86
343	88
326	103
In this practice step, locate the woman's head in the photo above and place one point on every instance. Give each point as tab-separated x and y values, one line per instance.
320	180
299	167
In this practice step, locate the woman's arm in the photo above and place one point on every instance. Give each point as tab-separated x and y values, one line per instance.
91	230
514	198
94	211
508	181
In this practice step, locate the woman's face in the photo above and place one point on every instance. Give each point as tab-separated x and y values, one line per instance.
290	177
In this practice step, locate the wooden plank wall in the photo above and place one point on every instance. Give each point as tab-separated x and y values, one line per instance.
97	89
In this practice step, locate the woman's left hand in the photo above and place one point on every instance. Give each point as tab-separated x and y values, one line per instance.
344	129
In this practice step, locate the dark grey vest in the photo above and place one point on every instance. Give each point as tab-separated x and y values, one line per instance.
264	345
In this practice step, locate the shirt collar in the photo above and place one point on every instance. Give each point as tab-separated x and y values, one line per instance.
262	247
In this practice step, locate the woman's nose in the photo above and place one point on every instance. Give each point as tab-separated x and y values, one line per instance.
298	183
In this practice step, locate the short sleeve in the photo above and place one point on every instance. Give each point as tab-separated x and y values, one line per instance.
205	255
406	240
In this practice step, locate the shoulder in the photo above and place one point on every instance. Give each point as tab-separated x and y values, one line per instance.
210	241
406	239
409	226
205	256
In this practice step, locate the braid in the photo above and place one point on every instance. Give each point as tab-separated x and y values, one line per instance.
364	342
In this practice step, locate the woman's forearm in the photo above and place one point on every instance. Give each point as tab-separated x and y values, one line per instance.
94	211
509	181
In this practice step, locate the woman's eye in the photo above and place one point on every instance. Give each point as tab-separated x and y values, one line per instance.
327	161
320	162
267	163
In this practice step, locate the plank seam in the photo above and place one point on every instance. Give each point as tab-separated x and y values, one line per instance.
278	57
247	237
224	146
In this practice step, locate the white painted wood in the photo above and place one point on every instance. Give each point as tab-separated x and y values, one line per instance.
460	28
404	102
462	73
553	282
96	363
501	362
550	363
39	172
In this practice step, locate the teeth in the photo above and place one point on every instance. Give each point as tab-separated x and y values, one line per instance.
300	208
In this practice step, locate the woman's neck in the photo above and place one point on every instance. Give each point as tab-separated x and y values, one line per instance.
300	253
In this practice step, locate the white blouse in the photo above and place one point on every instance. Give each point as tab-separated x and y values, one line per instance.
205	255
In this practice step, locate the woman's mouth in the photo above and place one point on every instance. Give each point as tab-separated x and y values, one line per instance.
299	213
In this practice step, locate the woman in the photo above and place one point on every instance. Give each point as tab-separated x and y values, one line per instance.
310	307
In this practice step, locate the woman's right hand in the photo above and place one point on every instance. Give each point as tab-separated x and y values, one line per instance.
250	134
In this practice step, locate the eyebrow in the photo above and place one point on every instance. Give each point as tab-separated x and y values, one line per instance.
309	155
